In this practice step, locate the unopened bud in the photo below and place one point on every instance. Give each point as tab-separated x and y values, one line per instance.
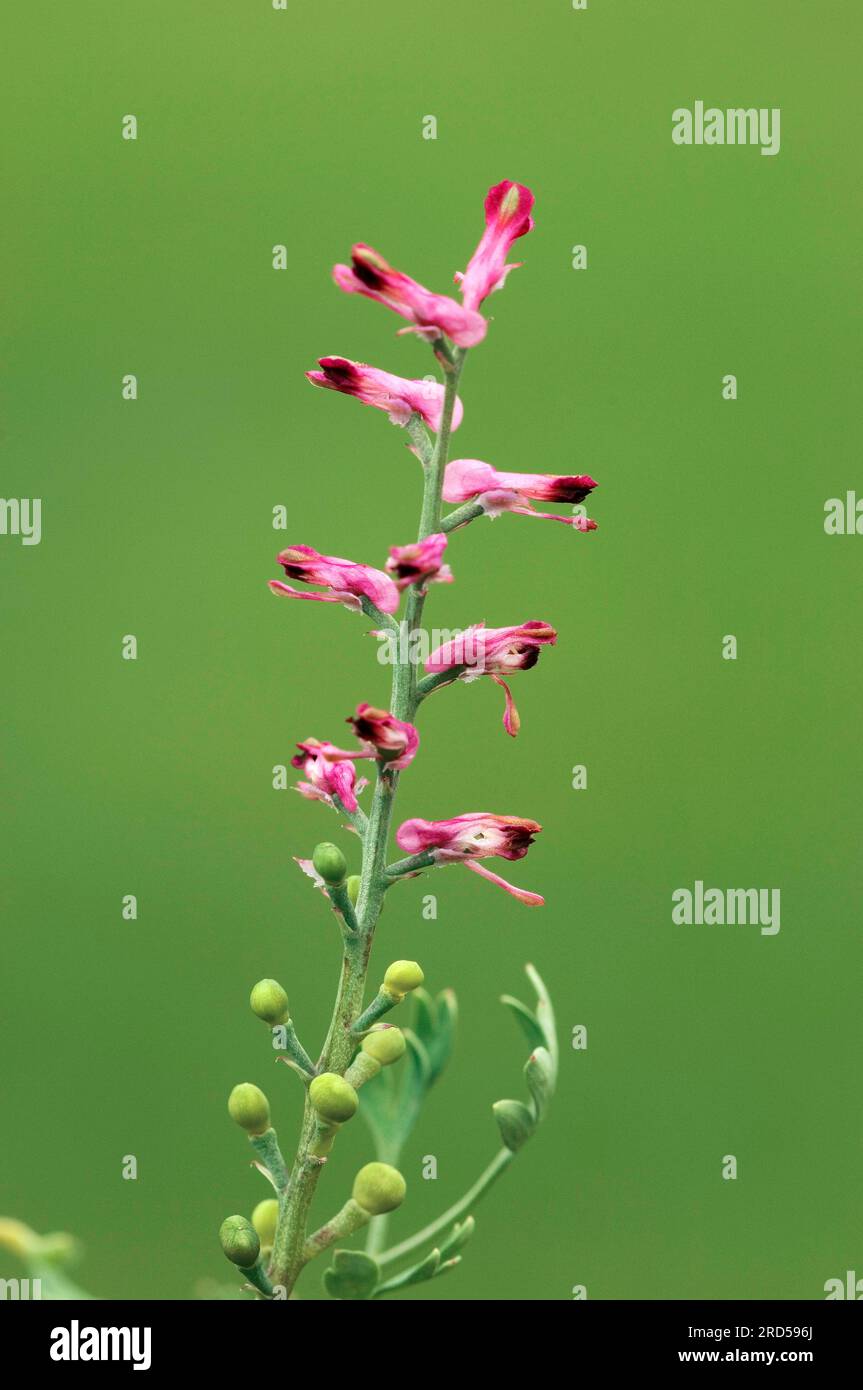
385	1044
401	977
334	1099
353	887
265	1219
239	1240
515	1122
249	1108
270	1002
379	1188
330	863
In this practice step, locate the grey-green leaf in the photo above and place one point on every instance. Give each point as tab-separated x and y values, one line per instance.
544	1013
417	1060
458	1237
416	1274
525	1019
424	1015
353	1275
540	1077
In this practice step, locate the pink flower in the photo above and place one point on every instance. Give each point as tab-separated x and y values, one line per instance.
391	739
431	314
494	651
496	492
329	772
349	583
411	564
477	835
398	396
507	217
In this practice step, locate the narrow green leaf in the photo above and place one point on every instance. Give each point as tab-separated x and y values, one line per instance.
527	1021
544	1013
539	1075
380	1108
440	1044
424	1018
417	1061
458	1237
417	1274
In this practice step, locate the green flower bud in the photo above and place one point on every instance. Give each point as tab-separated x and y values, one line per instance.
515	1122
378	1188
334	1099
353	887
249	1108
239	1240
330	863
401	977
264	1219
269	1002
385	1043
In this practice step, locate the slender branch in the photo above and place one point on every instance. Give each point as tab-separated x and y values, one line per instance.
430	518
420	438
338	896
411	865
461	516
383	620
440	678
358	818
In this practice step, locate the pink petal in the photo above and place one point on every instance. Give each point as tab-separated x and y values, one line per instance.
511	718
285	591
531	899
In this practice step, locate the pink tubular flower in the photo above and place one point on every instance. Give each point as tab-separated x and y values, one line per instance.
472	480
391	739
348	582
477	835
431	314
507	217
398	396
329	772
494	651
411	564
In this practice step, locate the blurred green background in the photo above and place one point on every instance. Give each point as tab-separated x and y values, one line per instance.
153	777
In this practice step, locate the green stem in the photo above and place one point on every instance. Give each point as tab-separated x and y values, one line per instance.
266	1146
498	1165
430	517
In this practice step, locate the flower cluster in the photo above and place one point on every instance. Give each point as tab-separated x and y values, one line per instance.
272	1249
389	738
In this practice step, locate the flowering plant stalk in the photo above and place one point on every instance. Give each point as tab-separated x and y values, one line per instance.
362	1052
